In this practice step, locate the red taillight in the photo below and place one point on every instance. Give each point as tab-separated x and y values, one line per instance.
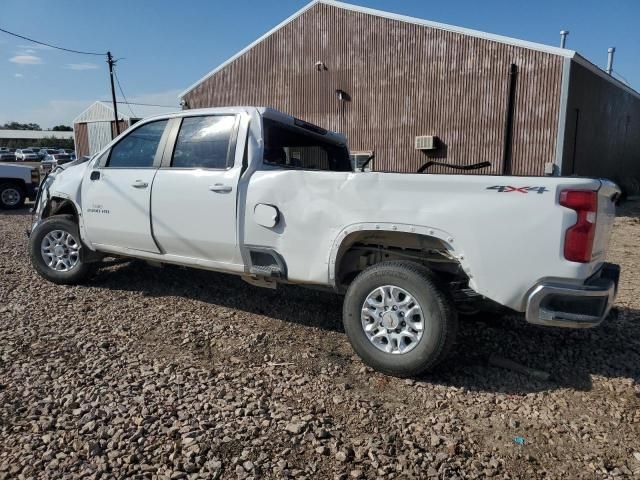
578	240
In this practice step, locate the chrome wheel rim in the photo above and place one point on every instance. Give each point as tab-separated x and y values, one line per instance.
60	250
392	319
10	196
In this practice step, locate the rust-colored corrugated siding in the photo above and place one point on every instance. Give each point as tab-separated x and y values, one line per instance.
403	80
123	126
602	135
81	139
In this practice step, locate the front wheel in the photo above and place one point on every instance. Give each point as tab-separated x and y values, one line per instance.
56	251
398	320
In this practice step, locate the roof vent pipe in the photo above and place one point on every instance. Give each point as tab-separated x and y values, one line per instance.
563	37
611	51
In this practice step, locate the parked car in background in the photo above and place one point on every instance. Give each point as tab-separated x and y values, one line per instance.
52	160
37	151
17	182
47	151
26	155
7	155
68	151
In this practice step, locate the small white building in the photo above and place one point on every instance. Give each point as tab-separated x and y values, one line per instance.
96	126
28	138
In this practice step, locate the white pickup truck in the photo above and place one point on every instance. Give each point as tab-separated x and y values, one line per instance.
260	194
17	183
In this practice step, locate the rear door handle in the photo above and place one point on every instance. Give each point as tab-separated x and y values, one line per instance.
139	184
220	188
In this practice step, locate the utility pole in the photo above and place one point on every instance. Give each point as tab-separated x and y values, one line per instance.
111	63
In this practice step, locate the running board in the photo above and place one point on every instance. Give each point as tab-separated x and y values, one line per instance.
260	282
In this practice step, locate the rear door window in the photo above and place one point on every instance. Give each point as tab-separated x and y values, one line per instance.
205	142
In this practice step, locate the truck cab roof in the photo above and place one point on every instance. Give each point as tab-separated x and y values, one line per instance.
266	112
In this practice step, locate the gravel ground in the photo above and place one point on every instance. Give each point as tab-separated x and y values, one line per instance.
170	373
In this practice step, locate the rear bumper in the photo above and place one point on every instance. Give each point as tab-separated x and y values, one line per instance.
564	305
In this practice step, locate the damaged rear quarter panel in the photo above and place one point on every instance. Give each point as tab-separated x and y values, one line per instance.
505	242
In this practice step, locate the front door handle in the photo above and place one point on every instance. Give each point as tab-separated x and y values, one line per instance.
139	184
220	188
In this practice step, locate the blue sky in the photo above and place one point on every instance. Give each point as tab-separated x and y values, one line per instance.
167	45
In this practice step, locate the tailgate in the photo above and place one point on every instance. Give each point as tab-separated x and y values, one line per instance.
608	193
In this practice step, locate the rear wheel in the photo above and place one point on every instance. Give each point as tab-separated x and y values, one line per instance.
398	319
56	251
12	196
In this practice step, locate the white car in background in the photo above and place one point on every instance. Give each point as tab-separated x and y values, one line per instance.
52	160
26	155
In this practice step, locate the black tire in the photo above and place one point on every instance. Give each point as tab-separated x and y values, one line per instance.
80	270
440	318
8	193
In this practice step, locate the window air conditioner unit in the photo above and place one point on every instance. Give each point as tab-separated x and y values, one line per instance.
426	142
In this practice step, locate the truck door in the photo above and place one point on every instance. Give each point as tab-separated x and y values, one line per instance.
116	194
193	202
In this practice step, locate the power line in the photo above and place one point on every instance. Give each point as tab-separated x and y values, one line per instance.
49	45
122	92
110	62
144	104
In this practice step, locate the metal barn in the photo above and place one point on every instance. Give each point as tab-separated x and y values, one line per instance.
96	126
393	83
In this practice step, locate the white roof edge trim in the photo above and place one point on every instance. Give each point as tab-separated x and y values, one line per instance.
123	116
84	111
452	28
580	60
392	16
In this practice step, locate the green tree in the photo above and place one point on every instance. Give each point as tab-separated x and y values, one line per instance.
20	126
62	128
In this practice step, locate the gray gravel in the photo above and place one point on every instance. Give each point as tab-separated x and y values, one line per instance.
172	373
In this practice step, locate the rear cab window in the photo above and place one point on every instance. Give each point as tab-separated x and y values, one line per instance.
296	148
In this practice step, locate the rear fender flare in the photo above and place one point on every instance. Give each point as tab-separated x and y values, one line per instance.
447	238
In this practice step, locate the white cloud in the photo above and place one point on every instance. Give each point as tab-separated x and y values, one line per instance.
34	46
81	66
18	75
26	60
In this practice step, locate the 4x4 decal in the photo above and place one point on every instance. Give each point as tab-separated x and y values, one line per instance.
509	188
